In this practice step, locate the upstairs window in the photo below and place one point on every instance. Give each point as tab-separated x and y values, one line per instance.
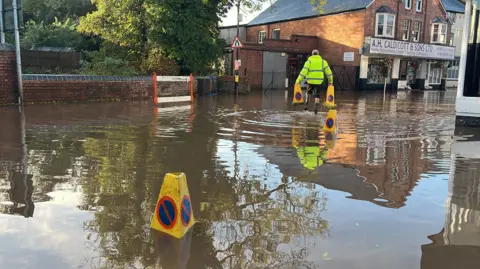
276	34
408	4
261	36
439	33
385	25
406	30
417	26
419	5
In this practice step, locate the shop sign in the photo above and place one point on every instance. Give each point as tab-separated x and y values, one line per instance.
409	49
348	56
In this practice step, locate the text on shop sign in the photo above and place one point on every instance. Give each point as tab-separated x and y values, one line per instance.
402	48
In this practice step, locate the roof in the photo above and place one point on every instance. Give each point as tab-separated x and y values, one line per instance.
438	20
285	10
386	9
454	6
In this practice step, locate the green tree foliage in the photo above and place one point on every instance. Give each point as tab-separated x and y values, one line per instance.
318	5
56	34
123	23
188	32
48	10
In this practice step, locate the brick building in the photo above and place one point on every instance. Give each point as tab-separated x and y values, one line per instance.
367	42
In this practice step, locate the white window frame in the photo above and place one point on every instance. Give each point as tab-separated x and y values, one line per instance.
260	37
276	29
442	31
406	27
419	6
416	38
408	4
386	16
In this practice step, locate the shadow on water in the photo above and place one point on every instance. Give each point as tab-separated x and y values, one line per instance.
267	184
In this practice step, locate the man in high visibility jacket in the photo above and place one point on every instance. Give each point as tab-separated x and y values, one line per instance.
314	71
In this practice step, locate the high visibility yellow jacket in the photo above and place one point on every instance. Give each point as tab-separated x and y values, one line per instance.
315	70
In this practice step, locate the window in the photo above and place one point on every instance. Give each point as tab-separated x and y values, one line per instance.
261	36
385	25
452	39
439	33
408	4
452	71
416	31
276	34
419	5
406	30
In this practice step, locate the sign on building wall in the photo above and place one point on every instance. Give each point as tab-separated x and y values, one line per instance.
402	48
348	56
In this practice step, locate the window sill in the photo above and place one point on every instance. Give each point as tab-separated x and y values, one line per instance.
384	36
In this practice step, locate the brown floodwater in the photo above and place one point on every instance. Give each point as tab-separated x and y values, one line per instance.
396	188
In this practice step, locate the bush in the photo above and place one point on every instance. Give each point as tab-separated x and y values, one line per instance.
98	63
158	63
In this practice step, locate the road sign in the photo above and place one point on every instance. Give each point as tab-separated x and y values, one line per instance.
236	43
166	212
186	210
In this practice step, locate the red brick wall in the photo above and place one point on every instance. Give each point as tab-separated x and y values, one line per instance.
252	67
79	91
332	41
431	9
8	78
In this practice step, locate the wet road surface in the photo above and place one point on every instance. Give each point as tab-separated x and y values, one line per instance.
395	188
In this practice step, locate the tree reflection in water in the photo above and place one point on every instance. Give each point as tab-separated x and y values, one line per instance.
242	223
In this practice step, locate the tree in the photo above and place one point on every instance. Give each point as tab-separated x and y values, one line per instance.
56	34
188	32
48	10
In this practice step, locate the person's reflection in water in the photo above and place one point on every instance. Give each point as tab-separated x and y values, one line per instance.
309	151
21	190
173	253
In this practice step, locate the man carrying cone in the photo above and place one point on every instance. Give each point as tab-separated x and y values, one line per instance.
314	71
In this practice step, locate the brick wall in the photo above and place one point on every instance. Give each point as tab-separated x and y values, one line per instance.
431	9
73	88
8	76
252	67
332	42
226	84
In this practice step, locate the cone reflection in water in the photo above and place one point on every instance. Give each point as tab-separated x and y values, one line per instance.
173	253
330	129
173	213
297	95
330	99
331	122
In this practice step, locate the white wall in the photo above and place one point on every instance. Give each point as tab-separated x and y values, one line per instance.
457	30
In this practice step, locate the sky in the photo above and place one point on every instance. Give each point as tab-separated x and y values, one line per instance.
231	18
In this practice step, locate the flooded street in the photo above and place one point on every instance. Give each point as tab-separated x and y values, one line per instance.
79	184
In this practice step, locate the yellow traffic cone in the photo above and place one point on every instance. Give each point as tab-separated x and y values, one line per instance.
330	100
173	213
297	95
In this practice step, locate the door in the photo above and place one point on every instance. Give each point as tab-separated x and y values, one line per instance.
434	74
274	70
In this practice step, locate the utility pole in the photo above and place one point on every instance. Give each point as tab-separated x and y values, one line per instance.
17	51
237	49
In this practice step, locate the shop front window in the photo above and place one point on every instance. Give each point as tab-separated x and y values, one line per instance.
452	71
378	71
